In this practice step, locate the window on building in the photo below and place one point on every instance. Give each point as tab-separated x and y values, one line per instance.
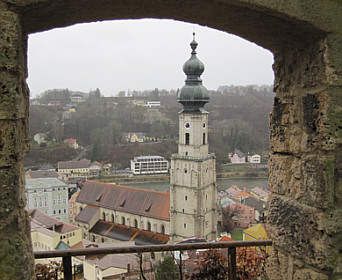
162	229
184	225
104	216
113	219
123	221
187	138
203	138
186	197
149	226
54	202
135	223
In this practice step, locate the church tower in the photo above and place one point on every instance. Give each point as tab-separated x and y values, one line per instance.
193	187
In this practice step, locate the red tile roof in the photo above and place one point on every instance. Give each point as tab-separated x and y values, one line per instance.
51	223
142	202
84	163
87	214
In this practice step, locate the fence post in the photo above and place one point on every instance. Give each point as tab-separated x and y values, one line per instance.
67	268
232	263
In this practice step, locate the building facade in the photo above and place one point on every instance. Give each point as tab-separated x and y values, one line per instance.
149	165
49	195
120	208
193	188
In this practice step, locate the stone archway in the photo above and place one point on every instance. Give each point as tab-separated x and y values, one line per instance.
305	163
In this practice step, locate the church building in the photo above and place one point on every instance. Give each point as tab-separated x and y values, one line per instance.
193	187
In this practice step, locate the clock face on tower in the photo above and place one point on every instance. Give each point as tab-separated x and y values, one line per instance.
187	125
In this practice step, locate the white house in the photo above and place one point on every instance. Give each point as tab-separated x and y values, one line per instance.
254	158
237	157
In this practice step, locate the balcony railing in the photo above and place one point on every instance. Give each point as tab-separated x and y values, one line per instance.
66	255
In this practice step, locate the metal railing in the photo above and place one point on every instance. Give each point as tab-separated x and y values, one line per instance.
66	255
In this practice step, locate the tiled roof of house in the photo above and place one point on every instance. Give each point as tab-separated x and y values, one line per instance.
233	190
243	194
44	183
142	202
239	153
114	260
256	204
87	214
50	223
42	174
70	141
260	192
124	233
84	163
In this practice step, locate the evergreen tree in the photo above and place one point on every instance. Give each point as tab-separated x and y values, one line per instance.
167	269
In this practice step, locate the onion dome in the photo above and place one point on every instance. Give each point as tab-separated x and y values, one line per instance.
193	95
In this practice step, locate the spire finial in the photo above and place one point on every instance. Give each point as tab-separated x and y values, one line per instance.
193	34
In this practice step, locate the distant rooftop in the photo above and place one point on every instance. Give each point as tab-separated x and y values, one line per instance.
44	183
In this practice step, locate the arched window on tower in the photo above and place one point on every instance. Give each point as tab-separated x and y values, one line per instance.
187	139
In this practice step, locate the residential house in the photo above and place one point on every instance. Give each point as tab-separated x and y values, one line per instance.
48	233
260	193
244	213
78	98
134	137
233	191
72	207
95	168
110	212
149	165
72	169
237	157
49	195
152	104
71	142
112	266
242	195
40	138
256	232
254	159
260	208
42	174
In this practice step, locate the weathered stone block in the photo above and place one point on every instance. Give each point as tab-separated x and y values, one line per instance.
308	180
14	141
14	98
299	231
16	256
12	193
10	40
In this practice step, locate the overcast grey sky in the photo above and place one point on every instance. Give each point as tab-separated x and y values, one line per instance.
140	55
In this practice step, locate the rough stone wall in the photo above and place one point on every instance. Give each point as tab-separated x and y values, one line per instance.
306	159
16	258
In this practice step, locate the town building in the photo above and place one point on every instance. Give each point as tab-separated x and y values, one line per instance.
245	215
72	169
134	137
256	159
114	213
49	195
34	174
149	165
193	178
71	142
237	157
48	233
72	206
152	104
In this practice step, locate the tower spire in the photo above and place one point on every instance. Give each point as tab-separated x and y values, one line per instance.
193	95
